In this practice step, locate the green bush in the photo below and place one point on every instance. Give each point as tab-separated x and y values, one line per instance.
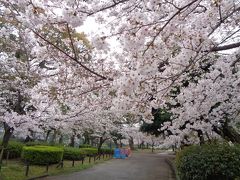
107	151
73	153
207	162
90	151
14	148
85	146
36	143
42	143
42	154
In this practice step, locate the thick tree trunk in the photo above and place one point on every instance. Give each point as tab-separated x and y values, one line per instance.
131	143
7	135
228	133
8	131
47	135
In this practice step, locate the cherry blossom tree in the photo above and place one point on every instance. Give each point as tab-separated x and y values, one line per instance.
164	43
165	47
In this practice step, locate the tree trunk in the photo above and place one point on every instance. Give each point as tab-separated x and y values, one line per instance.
47	135
228	133
200	136
152	147
120	143
72	142
101	141
116	143
60	141
28	139
91	141
86	138
142	145
231	134
54	136
8	131
131	143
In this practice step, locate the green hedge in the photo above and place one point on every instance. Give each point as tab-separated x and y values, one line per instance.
107	151
14	148
90	151
42	143
208	162
42	154
85	146
36	143
71	153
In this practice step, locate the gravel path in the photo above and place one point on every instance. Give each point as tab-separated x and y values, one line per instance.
140	166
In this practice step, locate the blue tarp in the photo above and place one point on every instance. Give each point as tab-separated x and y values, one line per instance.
118	154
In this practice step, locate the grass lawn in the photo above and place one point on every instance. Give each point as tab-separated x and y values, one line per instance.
15	169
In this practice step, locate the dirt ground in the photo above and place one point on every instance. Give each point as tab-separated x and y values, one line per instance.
140	166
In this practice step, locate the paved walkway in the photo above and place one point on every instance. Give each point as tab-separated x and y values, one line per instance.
140	166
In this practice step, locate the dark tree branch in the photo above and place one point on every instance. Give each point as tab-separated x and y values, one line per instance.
222	20
225	47
236	61
71	40
69	56
115	3
220	13
168	21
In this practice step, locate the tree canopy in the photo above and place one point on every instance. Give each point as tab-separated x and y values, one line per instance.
184	54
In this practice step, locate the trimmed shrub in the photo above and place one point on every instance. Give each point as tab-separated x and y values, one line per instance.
42	154
210	161
90	151
71	153
14	148
107	151
42	143
85	146
36	143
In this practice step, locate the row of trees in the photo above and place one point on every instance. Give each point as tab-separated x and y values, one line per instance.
52	78
48	81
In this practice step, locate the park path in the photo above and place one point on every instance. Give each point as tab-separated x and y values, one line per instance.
140	166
